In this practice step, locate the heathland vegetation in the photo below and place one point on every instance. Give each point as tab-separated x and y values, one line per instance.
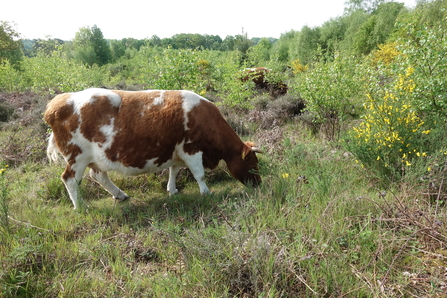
353	199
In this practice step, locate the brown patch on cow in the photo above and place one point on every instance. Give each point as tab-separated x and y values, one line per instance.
72	151
216	141
68	173
60	116
96	114
145	131
94	167
58	109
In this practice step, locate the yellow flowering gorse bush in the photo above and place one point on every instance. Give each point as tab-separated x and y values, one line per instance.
389	136
386	53
297	67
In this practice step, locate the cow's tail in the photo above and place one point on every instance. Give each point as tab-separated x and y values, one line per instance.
52	150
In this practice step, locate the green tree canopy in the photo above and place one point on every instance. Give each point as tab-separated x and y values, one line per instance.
10	49
90	46
377	28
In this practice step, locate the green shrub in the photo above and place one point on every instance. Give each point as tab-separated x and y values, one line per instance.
330	91
57	73
10	78
424	50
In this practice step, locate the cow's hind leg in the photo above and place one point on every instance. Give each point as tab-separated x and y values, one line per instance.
103	179
72	177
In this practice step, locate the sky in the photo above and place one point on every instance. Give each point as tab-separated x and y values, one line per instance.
141	19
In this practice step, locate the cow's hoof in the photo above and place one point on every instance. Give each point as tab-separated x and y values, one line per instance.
173	192
122	199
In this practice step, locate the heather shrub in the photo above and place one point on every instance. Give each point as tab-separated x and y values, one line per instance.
6	111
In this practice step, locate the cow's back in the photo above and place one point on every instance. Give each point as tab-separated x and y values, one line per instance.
128	128
148	126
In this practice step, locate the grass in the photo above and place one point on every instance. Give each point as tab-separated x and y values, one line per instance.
319	226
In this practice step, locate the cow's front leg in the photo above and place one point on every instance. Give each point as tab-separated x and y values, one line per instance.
173	172
195	165
103	179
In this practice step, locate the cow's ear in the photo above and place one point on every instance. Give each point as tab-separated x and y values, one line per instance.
245	151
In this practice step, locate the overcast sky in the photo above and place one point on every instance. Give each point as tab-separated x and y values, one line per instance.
142	19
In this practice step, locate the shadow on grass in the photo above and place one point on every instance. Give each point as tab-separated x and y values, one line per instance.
179	211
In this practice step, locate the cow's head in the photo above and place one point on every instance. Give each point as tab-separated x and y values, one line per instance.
244	167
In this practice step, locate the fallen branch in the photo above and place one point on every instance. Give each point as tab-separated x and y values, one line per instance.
30	225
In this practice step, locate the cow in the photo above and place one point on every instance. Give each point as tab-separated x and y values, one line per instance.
137	132
259	76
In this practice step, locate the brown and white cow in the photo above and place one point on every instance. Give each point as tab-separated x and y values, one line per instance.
137	132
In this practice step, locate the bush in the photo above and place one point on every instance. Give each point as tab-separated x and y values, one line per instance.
424	50
392	134
10	78
330	90
56	73
5	111
271	113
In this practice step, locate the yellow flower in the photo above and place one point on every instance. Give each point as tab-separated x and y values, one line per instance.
429	169
407	163
378	157
285	175
426	131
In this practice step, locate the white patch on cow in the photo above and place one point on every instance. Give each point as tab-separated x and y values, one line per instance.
109	132
159	100
79	99
114	98
195	164
190	100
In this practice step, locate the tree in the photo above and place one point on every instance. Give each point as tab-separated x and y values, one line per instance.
118	48
331	33
100	46
377	28
307	44
10	49
155	41
46	46
363	5
90	46
260	53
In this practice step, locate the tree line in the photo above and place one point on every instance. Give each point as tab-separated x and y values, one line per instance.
364	25
90	47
